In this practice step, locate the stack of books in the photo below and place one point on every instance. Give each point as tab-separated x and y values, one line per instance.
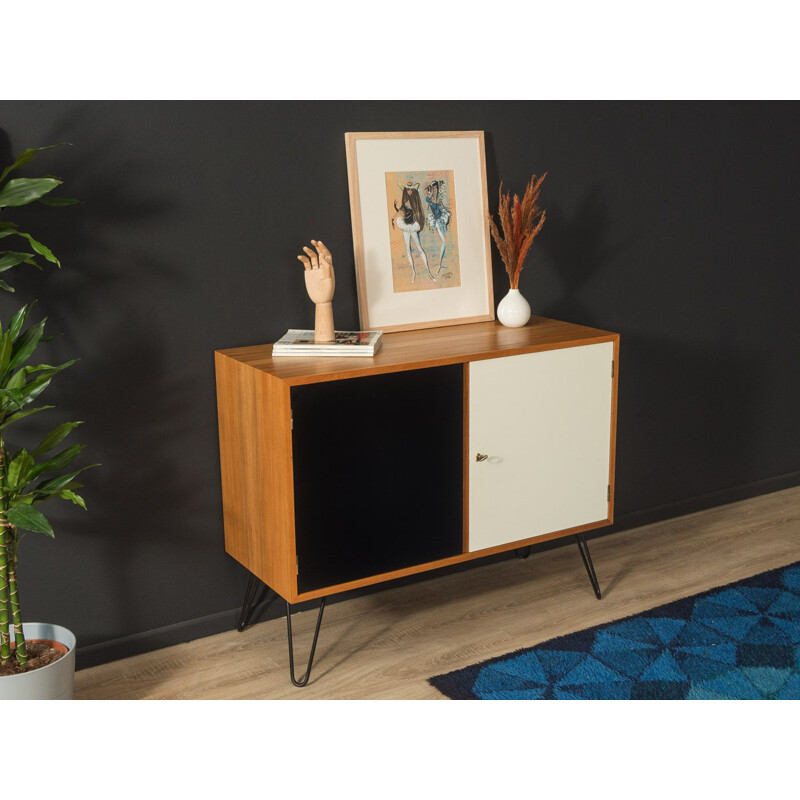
345	343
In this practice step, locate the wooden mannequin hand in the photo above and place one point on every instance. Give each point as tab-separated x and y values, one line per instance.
320	283
320	278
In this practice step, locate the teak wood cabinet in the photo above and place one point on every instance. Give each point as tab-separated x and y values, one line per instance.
449	445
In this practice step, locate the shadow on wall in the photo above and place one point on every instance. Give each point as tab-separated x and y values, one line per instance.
132	408
706	401
499	277
707	404
579	251
577	248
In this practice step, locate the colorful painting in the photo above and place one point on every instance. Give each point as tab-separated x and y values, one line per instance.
423	231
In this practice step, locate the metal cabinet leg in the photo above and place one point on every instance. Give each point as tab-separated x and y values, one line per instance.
583	548
249	602
304	680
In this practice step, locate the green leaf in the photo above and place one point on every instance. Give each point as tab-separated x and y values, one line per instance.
22	191
26	344
11	400
21	414
55	436
30	391
11	259
36	246
4	285
63	459
19	379
29	519
40	248
7	224
18	320
55	485
59	202
19	469
68	494
26	156
5	351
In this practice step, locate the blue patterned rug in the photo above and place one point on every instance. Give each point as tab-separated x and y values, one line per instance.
735	642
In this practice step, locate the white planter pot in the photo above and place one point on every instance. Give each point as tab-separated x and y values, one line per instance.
514	311
53	682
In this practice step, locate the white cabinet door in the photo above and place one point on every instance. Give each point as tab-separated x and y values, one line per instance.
544	422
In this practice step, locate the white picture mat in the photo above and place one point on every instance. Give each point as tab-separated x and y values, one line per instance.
374	158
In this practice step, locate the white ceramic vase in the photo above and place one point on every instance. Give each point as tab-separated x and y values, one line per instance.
53	682
514	310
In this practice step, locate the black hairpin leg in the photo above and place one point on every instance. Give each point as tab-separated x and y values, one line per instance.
304	680
248	605
583	548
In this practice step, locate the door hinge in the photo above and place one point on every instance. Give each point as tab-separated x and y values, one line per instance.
612	369
608	493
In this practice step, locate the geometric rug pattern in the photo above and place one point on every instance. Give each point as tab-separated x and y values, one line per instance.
735	642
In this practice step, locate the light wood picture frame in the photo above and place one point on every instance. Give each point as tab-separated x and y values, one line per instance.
420	211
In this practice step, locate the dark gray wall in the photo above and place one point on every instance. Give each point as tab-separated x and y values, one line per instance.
672	223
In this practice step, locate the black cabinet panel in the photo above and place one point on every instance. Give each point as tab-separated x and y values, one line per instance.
378	475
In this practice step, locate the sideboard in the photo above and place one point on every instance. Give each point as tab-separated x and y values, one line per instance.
448	445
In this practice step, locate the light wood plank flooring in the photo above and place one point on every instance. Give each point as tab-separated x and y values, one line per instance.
384	646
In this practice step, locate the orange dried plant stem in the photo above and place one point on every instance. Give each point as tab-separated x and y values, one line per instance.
520	222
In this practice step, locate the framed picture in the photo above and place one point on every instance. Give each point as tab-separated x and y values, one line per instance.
420	229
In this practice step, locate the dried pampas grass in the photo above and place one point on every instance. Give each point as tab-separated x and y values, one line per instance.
520	221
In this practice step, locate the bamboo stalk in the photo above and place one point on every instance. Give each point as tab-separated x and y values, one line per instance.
5	637
13	600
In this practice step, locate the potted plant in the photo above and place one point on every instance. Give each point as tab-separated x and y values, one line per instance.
520	221
37	660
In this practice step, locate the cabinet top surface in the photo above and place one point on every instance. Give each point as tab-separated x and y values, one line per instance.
432	347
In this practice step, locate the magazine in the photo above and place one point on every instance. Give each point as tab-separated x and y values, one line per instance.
345	343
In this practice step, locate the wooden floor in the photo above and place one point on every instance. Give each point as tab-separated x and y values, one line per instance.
386	645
